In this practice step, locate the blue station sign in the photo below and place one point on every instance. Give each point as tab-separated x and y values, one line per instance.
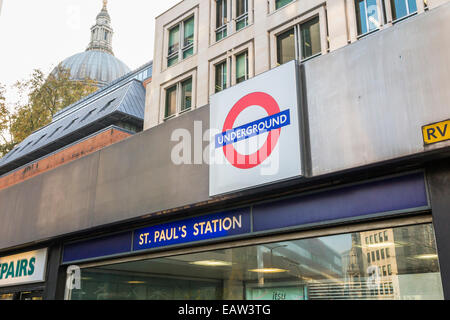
208	227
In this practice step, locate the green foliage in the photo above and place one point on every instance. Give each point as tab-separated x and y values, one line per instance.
5	124
45	98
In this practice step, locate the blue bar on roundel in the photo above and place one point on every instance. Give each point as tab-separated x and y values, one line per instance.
254	128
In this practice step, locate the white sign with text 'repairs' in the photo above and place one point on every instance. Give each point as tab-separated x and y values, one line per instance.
255	134
23	268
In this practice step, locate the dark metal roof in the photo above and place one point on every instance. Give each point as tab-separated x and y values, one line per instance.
125	100
141	73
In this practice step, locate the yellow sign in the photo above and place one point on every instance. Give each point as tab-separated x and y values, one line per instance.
436	132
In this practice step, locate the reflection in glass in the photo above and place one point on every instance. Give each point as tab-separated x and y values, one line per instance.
221	76
367	16
241	14
241	67
286	46
188	42
221	19
403	8
334	267
171	101
186	94
310	38
281	3
174	45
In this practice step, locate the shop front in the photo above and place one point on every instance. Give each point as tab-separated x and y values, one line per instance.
23	275
368	241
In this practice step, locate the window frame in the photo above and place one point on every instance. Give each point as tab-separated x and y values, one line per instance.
381	18
272	4
178	82
223	28
235	66
385	12
424	218
182	48
232	19
224	80
244	16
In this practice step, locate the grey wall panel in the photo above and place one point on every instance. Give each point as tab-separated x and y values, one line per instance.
368	101
126	180
138	177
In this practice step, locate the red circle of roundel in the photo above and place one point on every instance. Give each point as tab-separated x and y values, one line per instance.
269	104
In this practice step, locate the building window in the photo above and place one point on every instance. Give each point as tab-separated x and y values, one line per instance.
171	101
174	46
241	14
181	33
387	253
367	17
389	269
286	46
299	42
310	38
221	19
220	76
403	8
281	3
378	255
179	97
242	67
186	94
382	253
385	236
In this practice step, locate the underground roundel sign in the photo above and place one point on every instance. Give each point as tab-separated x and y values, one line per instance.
255	134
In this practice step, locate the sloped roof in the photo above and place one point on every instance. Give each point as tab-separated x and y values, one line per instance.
79	120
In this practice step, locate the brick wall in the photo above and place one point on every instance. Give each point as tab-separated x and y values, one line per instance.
85	147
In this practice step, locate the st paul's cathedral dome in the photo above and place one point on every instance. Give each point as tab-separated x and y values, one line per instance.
98	61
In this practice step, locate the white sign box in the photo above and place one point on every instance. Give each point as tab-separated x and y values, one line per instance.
23	268
255	133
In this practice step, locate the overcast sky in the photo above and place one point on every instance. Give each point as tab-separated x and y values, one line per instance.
41	33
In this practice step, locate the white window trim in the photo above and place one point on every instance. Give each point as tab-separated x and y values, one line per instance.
320	12
177	81
179	21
